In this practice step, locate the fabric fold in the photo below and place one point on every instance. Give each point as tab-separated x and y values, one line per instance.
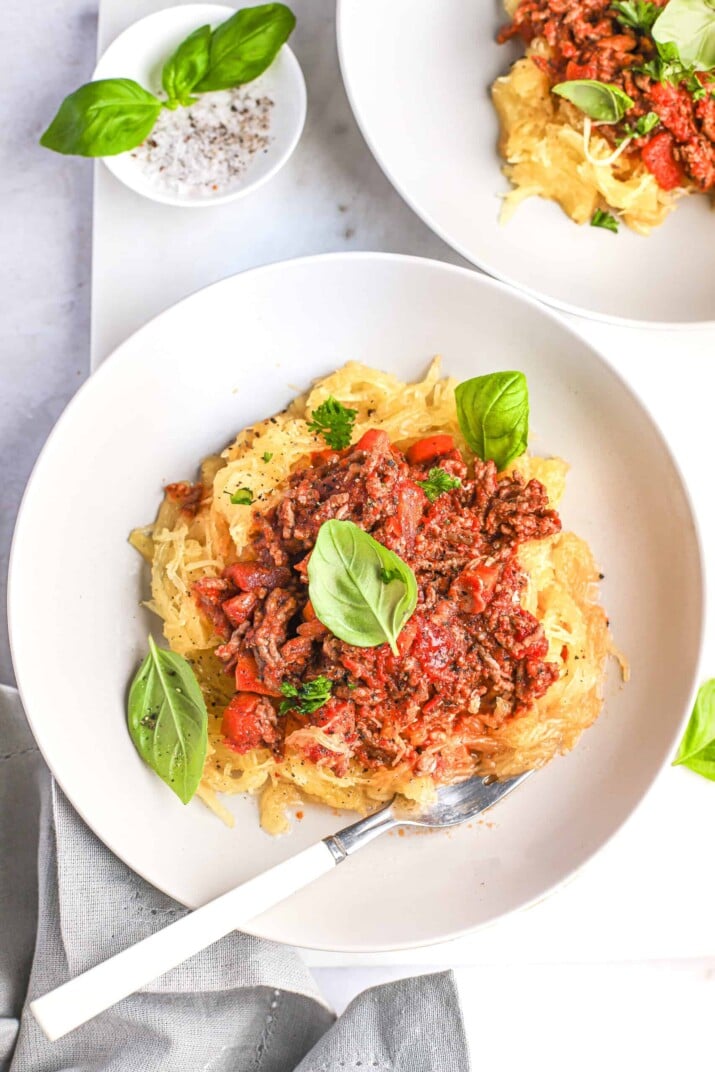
242	1005
412	1025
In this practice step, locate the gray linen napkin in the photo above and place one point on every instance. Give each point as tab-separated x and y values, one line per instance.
243	1005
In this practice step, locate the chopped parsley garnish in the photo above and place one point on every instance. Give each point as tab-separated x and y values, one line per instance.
242	497
307	697
604	220
638	14
267	455
674	71
646	123
389	574
643	126
334	422
438	482
667	66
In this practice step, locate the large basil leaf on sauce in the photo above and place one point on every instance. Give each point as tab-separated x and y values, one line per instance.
245	45
493	413
361	591
103	118
598	100
168	721
689	25
697	748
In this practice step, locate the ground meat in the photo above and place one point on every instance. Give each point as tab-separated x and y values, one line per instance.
186	496
269	635
210	593
586	40
518	512
468	656
363	490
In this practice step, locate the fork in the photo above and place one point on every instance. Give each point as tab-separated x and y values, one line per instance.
78	1000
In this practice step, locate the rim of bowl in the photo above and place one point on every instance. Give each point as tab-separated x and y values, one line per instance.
550	314
458	247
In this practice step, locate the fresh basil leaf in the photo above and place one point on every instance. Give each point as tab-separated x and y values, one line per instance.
604	220
167	720
346	588
638	14
334	422
493	414
387	576
703	763
245	45
102	119
188	65
689	26
697	748
599	101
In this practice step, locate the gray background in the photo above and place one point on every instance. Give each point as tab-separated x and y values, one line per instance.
46	202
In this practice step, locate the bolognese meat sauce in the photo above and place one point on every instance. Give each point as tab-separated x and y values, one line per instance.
587	41
470	656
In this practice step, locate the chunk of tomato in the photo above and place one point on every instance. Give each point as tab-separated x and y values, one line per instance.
238	608
425	450
242	723
247	679
475	585
374	439
576	71
660	160
324	457
410	505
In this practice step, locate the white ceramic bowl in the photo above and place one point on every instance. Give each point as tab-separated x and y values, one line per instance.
181	388
140	53
419	89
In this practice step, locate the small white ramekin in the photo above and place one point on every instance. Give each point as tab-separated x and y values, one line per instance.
140	52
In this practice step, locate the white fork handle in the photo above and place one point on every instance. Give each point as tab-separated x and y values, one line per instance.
79	999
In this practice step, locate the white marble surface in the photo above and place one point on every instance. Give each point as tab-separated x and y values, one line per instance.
333	196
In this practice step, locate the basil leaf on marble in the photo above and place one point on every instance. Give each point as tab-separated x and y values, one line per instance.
103	118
